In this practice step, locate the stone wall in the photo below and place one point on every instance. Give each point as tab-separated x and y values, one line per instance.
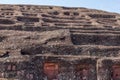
67	67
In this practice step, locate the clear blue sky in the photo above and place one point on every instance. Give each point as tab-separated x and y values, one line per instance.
108	5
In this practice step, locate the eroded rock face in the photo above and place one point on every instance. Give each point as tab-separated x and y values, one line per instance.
58	43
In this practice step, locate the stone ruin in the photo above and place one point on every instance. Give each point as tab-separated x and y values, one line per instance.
58	43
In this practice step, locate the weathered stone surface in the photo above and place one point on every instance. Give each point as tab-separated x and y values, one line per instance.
58	43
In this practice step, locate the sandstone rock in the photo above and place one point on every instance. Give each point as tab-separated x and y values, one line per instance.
58	43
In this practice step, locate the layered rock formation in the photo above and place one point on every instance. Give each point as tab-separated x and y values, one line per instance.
58	43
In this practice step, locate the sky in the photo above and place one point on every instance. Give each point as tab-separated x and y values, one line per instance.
107	5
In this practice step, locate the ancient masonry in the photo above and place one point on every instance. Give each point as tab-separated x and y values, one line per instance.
58	43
